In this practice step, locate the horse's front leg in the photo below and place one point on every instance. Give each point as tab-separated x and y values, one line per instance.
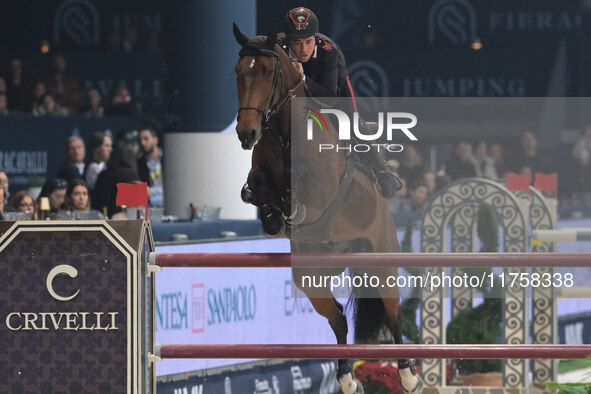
257	191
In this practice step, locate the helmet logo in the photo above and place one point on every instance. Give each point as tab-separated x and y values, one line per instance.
300	21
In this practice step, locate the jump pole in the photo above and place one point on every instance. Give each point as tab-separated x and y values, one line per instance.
562	235
375	352
375	260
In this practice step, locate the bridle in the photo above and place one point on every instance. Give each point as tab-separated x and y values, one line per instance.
273	107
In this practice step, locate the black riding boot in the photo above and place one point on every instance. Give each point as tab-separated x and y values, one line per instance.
388	182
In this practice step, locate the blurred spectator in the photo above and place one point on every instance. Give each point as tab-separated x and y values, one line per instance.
495	152
153	42
16	83
2	85
129	42
50	107
77	196
443	180
400	202
121	167
93	104
4	183
459	165
35	101
114	41
149	166
64	87
483	165
418	195
528	160
129	138
582	152
430	180
55	190
3	104
411	166
73	168
99	152
121	103
24	202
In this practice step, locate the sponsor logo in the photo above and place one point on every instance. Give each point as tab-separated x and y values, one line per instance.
67	321
198	308
293	306
197	389
452	21
299	382
264	387
227	385
369	79
77	21
231	304
171	311
329	383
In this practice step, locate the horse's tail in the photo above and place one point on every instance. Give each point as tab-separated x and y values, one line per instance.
369	314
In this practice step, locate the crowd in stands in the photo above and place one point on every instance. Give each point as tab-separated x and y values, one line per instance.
484	160
58	93
86	182
88	177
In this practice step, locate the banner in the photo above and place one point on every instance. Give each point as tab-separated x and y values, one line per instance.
314	376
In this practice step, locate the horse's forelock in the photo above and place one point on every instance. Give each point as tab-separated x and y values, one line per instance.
260	46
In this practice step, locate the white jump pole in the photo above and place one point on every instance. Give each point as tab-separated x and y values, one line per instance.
563	235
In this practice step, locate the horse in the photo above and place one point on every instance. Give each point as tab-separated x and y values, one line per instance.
324	203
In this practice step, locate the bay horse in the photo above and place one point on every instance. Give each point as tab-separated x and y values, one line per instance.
322	204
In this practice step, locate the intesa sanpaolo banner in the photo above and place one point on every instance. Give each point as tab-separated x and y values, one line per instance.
232	306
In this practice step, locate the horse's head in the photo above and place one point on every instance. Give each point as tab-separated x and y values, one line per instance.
257	72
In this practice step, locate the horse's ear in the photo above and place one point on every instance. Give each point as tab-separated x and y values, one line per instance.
272	36
241	38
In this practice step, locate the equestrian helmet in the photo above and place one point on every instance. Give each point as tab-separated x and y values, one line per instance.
300	23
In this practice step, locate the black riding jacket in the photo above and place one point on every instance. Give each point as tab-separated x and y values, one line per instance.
326	71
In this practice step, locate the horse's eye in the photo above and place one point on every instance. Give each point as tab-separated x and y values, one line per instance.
270	73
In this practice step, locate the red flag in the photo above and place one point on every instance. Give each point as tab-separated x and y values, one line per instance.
518	182
132	195
547	182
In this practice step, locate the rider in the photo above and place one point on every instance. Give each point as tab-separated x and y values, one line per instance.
322	65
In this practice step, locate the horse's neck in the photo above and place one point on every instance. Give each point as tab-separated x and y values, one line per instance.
291	78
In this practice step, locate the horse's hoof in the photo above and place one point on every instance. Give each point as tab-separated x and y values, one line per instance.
359	389
418	389
298	216
345	383
246	194
272	223
274	230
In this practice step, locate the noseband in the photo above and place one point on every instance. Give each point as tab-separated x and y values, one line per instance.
273	108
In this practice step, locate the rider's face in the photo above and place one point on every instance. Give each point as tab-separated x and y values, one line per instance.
303	48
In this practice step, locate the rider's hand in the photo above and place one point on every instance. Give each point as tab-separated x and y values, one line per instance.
298	66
